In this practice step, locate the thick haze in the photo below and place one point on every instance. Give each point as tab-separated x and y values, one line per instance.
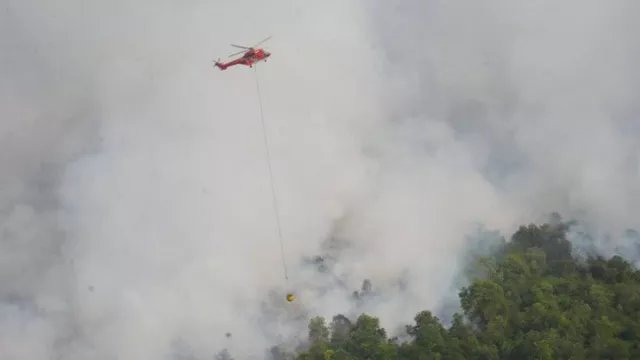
136	210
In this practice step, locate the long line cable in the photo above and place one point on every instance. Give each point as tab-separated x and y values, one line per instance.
273	188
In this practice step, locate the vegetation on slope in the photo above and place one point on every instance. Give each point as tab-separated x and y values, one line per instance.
533	301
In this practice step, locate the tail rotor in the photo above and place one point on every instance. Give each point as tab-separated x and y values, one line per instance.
219	64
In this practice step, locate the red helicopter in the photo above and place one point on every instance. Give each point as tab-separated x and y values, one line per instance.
250	57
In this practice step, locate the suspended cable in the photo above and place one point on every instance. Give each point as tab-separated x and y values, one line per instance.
273	188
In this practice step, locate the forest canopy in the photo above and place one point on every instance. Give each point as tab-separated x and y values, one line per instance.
534	300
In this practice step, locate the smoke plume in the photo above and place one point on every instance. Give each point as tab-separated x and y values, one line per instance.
137	220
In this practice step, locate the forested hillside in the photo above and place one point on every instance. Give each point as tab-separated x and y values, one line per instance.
531	300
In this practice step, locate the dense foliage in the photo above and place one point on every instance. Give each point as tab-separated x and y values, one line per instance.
534	300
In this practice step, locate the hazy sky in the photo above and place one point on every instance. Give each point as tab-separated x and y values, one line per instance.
135	202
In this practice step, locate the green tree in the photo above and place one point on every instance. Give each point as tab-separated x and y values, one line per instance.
529	300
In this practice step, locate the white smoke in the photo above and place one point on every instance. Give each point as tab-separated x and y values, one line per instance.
502	113
137	215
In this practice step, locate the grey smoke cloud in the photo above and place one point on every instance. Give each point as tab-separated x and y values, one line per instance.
168	234
542	96
137	217
505	112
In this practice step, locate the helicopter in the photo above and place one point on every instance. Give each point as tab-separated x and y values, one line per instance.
251	56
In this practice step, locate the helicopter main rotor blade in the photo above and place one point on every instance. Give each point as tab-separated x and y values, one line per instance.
262	41
241	47
238	53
